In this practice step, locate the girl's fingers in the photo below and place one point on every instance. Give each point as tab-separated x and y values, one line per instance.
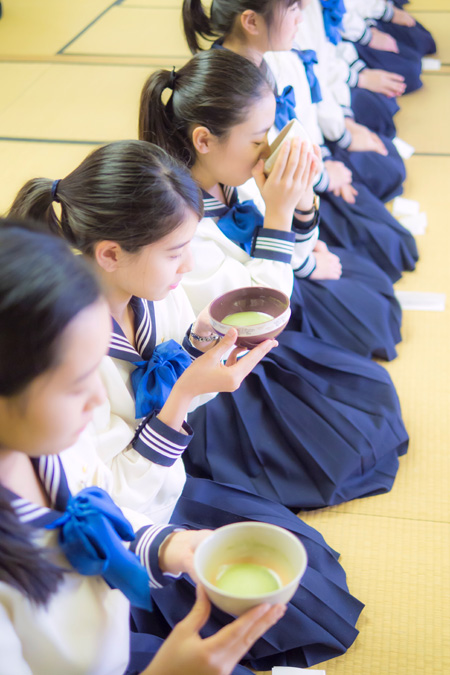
198	615
237	638
224	345
259	175
281	162
246	364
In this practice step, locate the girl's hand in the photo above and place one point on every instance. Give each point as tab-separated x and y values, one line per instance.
348	193
338	174
364	140
382	82
383	41
176	553
402	18
328	265
186	652
291	177
208	374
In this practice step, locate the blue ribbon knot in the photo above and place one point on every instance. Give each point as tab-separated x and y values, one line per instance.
333	11
285	111
91	534
240	223
309	58
153	380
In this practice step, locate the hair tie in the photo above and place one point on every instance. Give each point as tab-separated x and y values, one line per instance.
54	188
172	79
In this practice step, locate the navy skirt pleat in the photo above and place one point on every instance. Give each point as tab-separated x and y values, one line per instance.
320	621
312	425
375	111
415	37
407	63
359	311
383	175
368	228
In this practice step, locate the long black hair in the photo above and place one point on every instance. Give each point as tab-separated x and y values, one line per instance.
43	286
129	192
214	89
223	14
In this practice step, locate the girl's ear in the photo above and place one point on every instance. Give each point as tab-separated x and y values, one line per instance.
108	255
251	22
202	140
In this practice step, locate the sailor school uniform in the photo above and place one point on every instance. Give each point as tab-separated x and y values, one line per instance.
358	311
85	626
365	227
357	29
288	421
321	618
383	175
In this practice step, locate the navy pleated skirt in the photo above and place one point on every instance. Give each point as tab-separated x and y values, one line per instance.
358	312
311	426
383	175
407	63
375	111
415	37
320	621
368	228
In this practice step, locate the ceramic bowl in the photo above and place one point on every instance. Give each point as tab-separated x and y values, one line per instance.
260	543
293	129
251	299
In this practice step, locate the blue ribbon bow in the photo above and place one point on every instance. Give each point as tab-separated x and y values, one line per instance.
309	58
240	222
285	107
153	380
91	532
333	11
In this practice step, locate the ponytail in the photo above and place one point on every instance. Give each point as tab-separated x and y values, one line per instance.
215	89
196	22
129	192
222	17
35	202
155	117
23	564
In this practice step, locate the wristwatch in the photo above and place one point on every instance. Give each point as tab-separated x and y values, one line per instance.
314	208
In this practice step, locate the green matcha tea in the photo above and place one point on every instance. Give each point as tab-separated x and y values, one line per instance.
247	579
246	318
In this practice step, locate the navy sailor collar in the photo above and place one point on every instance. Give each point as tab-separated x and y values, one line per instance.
50	473
144	330
214	208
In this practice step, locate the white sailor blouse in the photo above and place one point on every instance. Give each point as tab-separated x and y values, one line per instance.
254	256
85	627
142	453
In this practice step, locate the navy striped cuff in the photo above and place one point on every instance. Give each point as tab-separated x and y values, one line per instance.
159	443
273	245
323	182
355	68
307	268
345	140
388	12
366	36
348	112
146	546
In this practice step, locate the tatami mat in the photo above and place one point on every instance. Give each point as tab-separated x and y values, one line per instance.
43	27
423	114
93	103
33	160
439	24
395	547
134	31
